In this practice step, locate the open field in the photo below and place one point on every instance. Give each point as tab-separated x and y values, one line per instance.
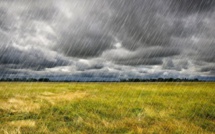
43	108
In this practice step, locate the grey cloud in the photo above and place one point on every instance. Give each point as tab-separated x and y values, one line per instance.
143	56
140	25
136	61
38	13
85	45
93	64
5	20
97	66
192	6
33	59
207	52
168	64
209	69
179	29
177	65
140	21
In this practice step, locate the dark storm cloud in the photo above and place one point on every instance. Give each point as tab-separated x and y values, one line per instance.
91	67
143	56
176	65
209	69
169	36
86	34
34	59
136	61
137	24
140	23
192	6
85	45
207	53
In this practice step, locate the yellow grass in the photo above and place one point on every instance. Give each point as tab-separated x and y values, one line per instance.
135	108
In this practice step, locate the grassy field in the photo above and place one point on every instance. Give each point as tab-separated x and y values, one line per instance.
134	108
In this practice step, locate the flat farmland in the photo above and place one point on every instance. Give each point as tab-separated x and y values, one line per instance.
134	108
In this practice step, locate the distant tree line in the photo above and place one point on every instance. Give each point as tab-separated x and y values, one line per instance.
161	80
122	80
24	80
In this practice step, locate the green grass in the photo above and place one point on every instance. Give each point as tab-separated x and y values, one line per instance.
43	108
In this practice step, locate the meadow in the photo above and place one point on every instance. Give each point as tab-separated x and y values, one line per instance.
91	108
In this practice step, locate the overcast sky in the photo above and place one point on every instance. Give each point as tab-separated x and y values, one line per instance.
107	39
